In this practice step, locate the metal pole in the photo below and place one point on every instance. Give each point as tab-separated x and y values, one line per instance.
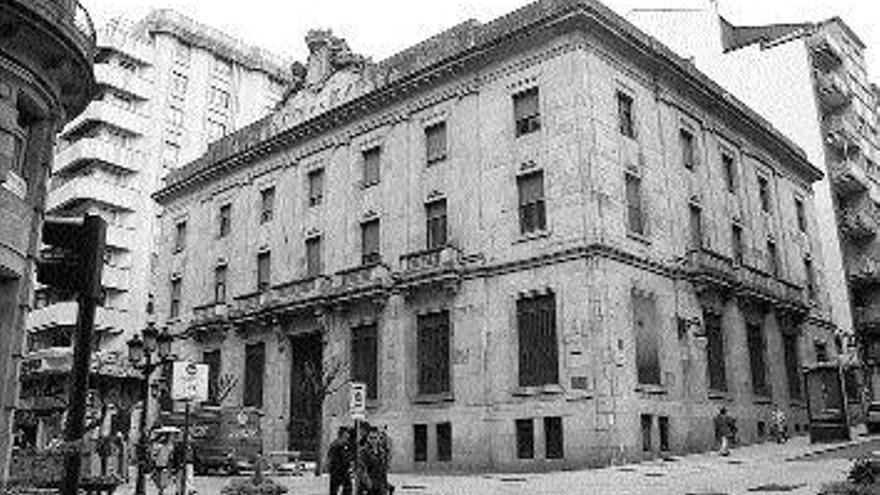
140	486
92	253
187	465
357	456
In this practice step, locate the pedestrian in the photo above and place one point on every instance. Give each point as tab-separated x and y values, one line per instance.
339	462
725	431
162	455
780	425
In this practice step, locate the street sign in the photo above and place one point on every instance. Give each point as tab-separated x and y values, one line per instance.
357	400
189	381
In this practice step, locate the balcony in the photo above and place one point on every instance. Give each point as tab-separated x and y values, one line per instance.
64	314
842	133
860	220
832	90
293	296
85	189
358	283
208	318
439	266
763	286
848	176
108	113
120	237
116	77
826	51
863	270
707	267
119	39
115	277
867	318
98	150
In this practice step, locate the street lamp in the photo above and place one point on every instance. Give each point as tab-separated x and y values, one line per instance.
140	355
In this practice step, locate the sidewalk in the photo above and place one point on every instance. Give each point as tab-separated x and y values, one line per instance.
767	467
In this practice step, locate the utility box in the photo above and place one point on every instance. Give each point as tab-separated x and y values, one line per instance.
827	403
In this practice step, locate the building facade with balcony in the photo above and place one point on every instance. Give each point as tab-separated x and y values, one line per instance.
821	97
46	79
542	241
166	87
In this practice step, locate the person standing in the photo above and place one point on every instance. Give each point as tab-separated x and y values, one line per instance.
780	425
163	453
725	429
339	459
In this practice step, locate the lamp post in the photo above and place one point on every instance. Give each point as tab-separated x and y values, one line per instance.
140	354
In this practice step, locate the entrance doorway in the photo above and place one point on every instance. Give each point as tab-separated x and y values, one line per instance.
306	374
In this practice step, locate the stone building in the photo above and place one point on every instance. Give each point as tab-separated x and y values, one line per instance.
542	241
167	86
46	79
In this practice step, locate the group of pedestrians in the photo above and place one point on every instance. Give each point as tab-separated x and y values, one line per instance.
726	430
362	461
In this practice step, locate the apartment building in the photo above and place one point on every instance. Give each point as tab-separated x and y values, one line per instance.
821	97
167	86
45	79
542	241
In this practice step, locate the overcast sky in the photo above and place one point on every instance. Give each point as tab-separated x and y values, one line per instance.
379	28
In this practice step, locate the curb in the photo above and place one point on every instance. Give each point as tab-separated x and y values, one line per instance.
831	448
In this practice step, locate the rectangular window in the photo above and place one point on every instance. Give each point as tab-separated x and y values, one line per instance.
635	213
772	259
646	337
757	365
810	277
647	422
737	240
267	204
715	351
696	221
435	213
538	348
220	284
729	172
264	270
433	353
218	98
444	442
554	445
663	426
365	357
526	111
254	371
688	153
179	83
532	209
216	130
372	166
801	215
316	186
171	154
175	116
764	193
435	142
792	365
182	54
625	118
313	257
174	310
222	68
225	220
525	439
821	351
180	236
370	253
420	443
212	359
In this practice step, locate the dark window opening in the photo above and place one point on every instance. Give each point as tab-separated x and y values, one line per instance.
372	166
316	187
538	352
634	207
264	270
254	371
526	111
772	259
525	439
801	215
811	278
756	344
433	353
370	243
180	237
420	443
715	351
764	192
792	365
553	438
435	142
225	220
647	422
365	358
688	151
435	213
625	118
532	208
663	426
212	359
267	204
444	442
220	284
762	430
737	240
174	310
644	313
729	172
696	221
313	257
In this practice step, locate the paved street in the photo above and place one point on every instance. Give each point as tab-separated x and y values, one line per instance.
765	468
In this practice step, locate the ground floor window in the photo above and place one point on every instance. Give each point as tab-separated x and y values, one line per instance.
420	443
647	431
525	439
663	426
553	439
444	442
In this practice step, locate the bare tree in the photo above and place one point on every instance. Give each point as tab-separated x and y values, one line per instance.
226	383
323	383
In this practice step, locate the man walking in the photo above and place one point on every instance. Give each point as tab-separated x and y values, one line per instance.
725	429
339	457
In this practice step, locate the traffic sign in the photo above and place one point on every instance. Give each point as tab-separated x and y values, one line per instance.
357	400
189	381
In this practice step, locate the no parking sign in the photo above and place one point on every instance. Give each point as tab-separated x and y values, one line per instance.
357	400
189	381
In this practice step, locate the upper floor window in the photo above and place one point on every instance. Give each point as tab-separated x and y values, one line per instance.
764	192
526	111
216	130
370	253
635	211
810	277
222	67
647	335
801	214
737	242
225	220
365	357
729	171
313	257
696	221
688	151
435	213
772	258
179	83
435	142
220	284
175	116
267	204
316	186
532	210
174	309
182	54
625	117
264	270
372	160
171	154
179	236
538	347
219	98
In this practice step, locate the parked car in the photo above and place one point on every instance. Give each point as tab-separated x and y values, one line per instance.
872	421
227	439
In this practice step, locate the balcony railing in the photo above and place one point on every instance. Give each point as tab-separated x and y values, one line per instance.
285	296
354	280
90	188
104	111
431	266
832	90
769	287
860	220
99	150
710	266
826	52
209	313
121	79
842	133
867	317
864	270
64	314
849	176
